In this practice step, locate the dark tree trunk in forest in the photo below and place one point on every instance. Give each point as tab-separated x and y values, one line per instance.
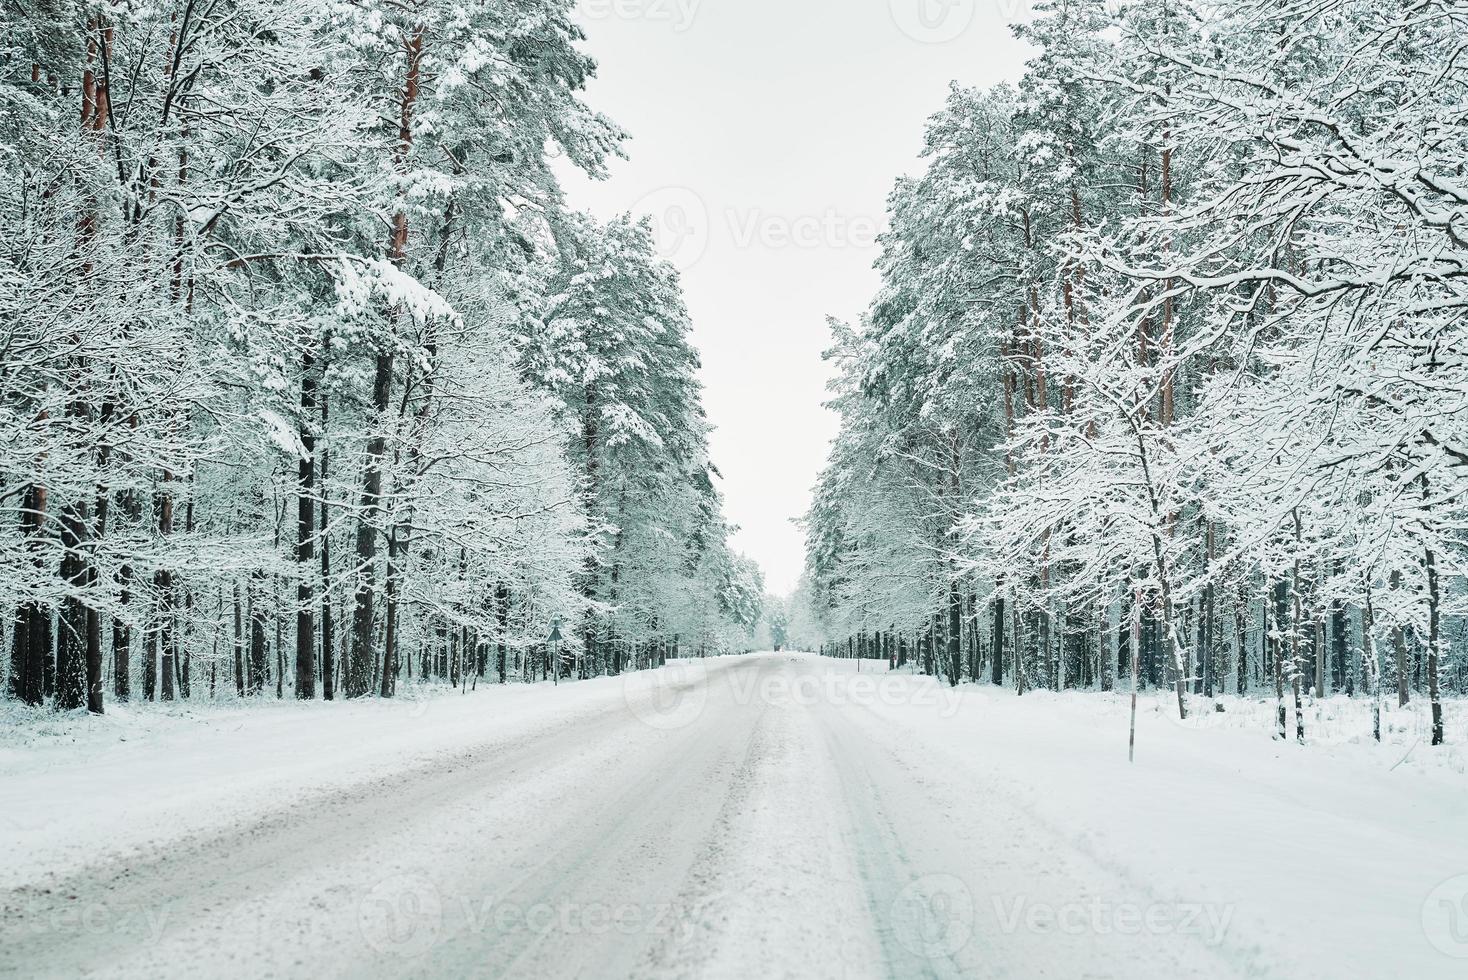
1295	622
150	662
362	661
1340	672
1276	618
328	625
163	630
388	685
400	536
279	634
72	635
955	631
239	641
360	665
1372	662
1400	655
1434	646
258	665
1167	410
28	652
94	616
30	647
78	650
1241	644
502	620
1210	608
975	645
306	536
1277	653
591	441
1017	634
122	634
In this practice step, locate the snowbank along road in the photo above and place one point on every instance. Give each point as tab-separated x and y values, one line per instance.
766	816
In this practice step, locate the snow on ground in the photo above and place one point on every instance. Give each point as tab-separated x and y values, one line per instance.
779	815
1342	858
80	788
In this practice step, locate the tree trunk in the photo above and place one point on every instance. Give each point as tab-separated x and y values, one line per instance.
1210	603
258	665
996	650
163	587
1373	666
328	625
502	619
239	641
1341	674
362	660
1399	651
955	630
388	685
1277	637
1295	621
1241	665
71	644
1434	644
1167	411
306	536
122	634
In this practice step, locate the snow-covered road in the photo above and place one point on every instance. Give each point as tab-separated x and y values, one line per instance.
746	817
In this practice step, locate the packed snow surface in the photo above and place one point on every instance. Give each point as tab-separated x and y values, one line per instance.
771	816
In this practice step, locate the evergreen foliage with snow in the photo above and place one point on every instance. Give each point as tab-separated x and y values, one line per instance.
310	379
1176	323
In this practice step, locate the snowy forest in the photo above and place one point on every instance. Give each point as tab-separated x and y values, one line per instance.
312	384
1168	374
657	468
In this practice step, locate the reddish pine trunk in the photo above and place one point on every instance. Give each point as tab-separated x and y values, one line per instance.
362	661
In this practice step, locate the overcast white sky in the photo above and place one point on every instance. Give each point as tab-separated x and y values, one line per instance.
765	137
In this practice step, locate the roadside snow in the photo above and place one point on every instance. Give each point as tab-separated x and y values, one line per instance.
1340	858
800	818
79	788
